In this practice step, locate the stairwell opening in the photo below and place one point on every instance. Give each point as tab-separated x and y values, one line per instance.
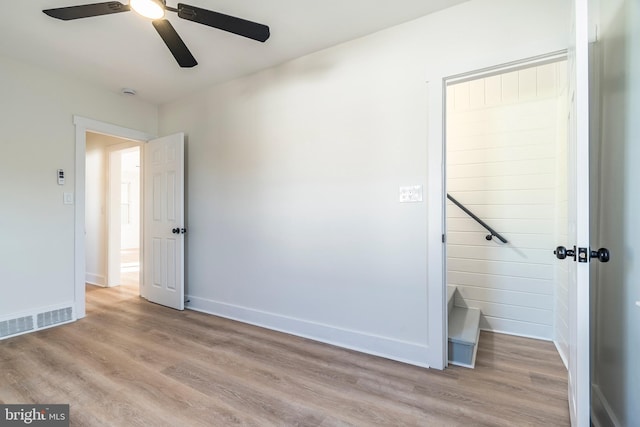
505	150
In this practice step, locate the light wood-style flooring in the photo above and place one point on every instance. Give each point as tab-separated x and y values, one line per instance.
134	363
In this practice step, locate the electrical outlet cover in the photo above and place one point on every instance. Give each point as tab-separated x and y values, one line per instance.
411	194
68	198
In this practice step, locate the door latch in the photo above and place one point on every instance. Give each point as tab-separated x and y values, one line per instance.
582	254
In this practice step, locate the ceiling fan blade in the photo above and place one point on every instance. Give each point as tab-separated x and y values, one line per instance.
175	44
87	10
228	23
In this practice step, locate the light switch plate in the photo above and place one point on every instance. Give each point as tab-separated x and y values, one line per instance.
68	198
411	194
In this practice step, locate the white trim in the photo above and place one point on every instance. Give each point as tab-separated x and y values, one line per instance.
389	348
562	354
513	334
579	357
84	125
105	128
508	67
96	279
436	268
436	187
600	401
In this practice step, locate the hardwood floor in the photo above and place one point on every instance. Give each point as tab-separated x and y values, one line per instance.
133	363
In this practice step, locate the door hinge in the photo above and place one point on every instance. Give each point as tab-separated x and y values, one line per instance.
444	238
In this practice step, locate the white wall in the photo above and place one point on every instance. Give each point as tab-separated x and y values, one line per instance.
293	174
38	137
95	211
616	374
502	139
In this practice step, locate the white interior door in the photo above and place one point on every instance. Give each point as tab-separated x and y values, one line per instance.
164	228
579	255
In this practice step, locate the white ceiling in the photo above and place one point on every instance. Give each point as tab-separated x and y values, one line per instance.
124	50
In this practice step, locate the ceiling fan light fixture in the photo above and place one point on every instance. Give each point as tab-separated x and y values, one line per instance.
152	9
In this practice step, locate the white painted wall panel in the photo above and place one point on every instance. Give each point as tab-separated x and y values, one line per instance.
561	234
493	281
513	269
293	177
96	206
527	329
517	239
38	137
502	164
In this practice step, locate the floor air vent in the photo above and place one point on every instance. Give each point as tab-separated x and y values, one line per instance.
16	326
54	317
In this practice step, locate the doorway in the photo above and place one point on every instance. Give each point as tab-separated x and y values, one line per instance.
505	181
124	216
112	211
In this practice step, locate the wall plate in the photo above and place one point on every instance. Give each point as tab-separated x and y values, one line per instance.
410	194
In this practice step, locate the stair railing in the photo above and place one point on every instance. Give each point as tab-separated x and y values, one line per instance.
493	232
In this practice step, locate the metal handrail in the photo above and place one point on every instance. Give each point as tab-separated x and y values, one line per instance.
493	232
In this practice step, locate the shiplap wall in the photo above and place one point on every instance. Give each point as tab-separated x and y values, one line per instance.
562	234
502	163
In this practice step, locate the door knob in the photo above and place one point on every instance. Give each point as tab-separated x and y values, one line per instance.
175	231
561	252
602	254
183	230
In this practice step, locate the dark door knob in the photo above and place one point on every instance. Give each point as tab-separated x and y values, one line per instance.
175	231
562	252
602	254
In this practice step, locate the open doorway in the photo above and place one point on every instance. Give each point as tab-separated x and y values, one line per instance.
506	204
112	211
124	218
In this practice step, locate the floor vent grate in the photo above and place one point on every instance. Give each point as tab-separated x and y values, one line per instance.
54	317
16	326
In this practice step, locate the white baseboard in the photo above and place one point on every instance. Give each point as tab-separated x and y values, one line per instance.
602	414
401	351
563	356
96	279
514	334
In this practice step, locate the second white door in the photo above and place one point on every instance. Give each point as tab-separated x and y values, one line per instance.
164	225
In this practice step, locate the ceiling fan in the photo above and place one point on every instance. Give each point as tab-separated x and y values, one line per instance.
156	10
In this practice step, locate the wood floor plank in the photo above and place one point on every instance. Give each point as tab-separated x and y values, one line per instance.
133	363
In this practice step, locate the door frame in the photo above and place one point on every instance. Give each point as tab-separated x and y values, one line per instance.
436	193
84	125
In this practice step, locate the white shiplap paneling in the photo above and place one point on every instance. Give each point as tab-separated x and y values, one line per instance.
504	164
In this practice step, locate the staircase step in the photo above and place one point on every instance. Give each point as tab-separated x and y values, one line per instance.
464	331
451	291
